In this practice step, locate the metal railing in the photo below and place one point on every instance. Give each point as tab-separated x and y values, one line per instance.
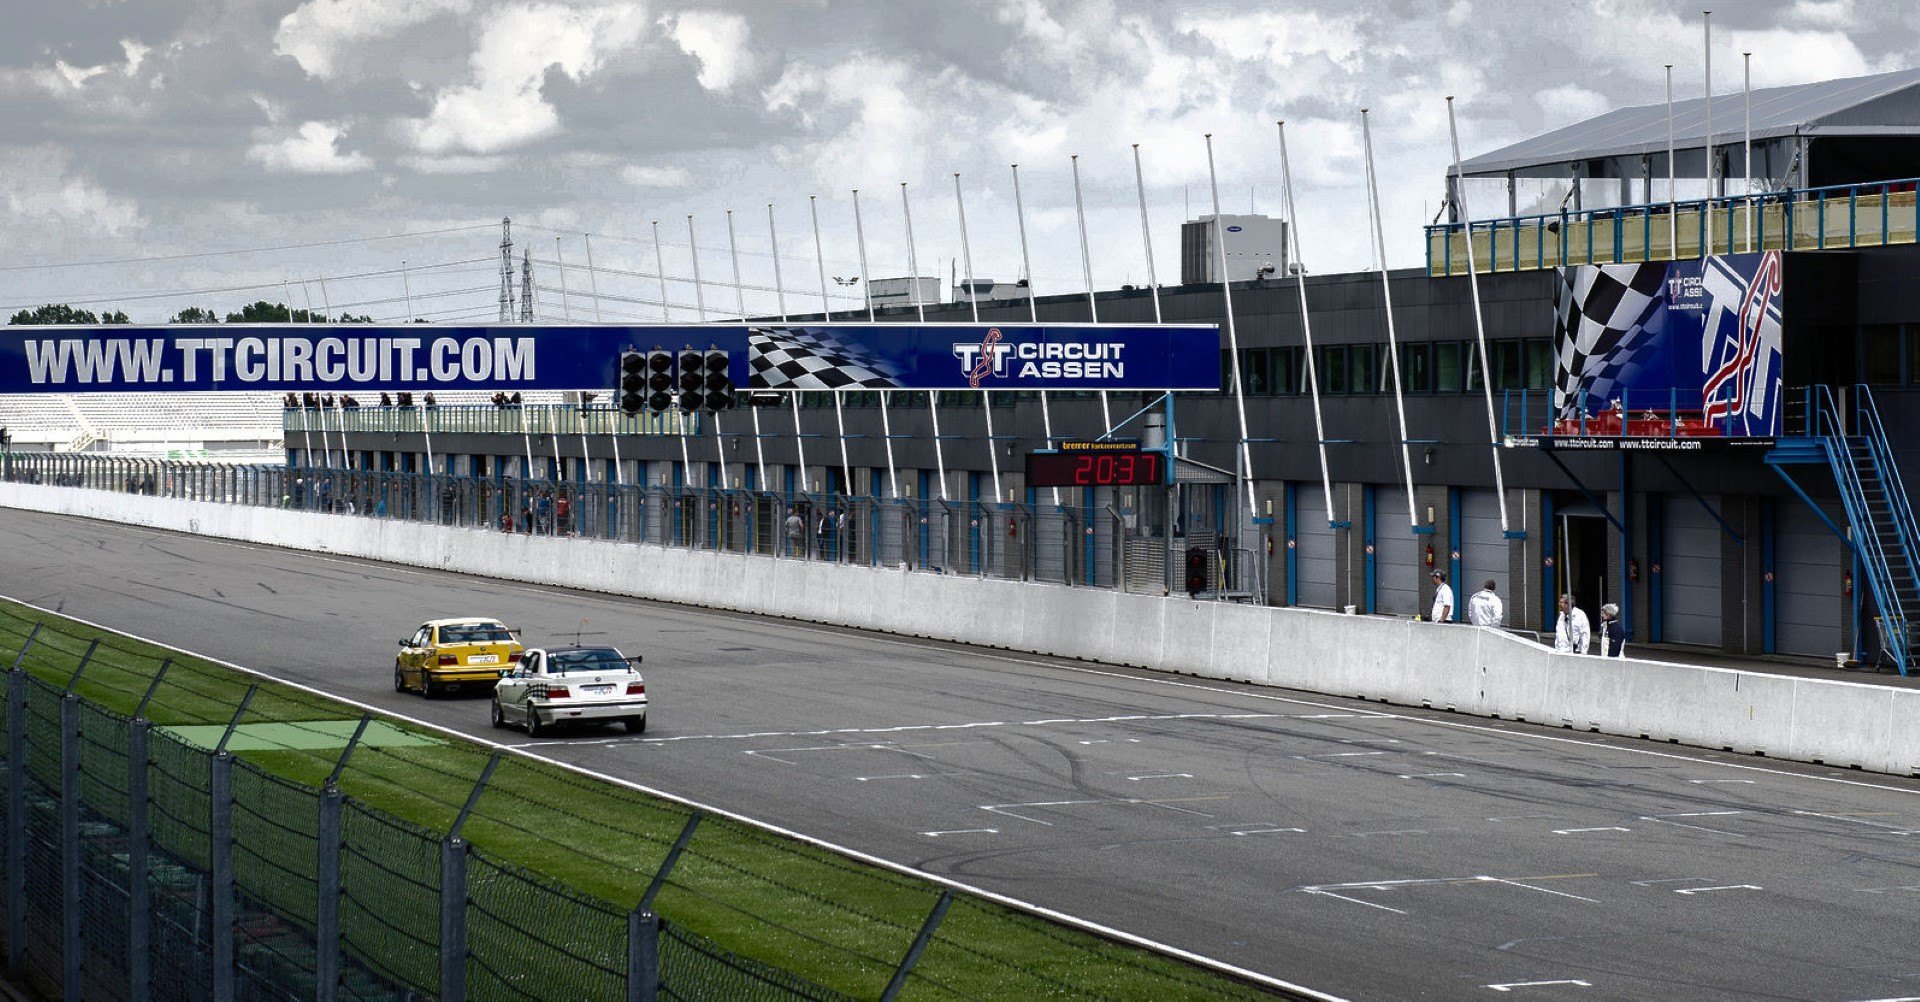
1839	216
1671	413
1825	420
512	419
1067	544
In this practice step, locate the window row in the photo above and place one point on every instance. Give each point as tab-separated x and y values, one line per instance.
1425	367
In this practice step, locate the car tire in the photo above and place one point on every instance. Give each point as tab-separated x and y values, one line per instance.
399	680
427	688
636	725
535	729
499	719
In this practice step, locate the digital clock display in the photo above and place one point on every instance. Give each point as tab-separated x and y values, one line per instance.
1117	468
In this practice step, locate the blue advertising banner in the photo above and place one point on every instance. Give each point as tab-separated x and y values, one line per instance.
1691	348
787	357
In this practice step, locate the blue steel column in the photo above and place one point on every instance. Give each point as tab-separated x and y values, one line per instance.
1293	543
1549	563
1456	556
1768	525
1369	576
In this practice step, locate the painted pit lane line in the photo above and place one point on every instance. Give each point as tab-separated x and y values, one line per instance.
1017	904
904	728
1335	710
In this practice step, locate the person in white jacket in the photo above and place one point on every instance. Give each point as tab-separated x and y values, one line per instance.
1484	608
1571	631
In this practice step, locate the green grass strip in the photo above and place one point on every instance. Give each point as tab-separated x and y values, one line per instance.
563	854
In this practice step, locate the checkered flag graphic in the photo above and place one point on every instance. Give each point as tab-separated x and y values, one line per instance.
792	358
1600	330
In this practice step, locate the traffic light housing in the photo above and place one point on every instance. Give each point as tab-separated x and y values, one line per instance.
633	382
1198	571
659	381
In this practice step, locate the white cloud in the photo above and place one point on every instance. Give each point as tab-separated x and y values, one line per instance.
455	163
317	33
717	41
42	190
314	148
884	136
502	107
1823	13
655	177
1782	56
1570	103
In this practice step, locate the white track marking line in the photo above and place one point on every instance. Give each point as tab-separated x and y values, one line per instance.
1697	828
1511	985
1721	887
1269	831
1432	775
1890	829
1164	775
1747	781
1574	831
1357	901
963	831
852	633
1543	890
871	859
904	775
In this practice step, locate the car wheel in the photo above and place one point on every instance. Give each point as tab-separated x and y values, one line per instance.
636	725
535	729
399	680
499	720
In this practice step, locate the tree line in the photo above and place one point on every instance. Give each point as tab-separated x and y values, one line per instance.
261	312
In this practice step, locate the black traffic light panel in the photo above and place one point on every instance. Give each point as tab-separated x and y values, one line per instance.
633	382
693	380
659	381
1197	571
719	385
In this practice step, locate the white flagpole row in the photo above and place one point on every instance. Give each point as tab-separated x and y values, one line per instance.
1233	336
1306	325
1386	292
860	237
1479	322
913	289
1146	233
973	301
826	316
1086	269
1033	309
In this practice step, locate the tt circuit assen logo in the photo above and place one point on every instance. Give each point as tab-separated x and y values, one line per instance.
994	356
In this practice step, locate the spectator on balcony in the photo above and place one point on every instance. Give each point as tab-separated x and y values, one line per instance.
431	403
514	401
386	400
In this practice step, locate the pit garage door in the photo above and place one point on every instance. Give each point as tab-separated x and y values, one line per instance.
1483	548
1690	577
1313	556
1808	561
1396	562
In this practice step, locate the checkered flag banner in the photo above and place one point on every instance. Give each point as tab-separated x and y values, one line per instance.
793	358
1600	330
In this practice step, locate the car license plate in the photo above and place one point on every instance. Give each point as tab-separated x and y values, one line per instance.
598	690
483	659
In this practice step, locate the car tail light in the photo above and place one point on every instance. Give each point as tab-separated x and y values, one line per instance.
515	656
447	660
558	692
636	688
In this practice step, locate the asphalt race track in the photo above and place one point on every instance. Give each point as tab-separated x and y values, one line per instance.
1358	849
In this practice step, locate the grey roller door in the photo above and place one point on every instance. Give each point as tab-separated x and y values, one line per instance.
1396	561
1313	554
1691	574
1808	561
1483	548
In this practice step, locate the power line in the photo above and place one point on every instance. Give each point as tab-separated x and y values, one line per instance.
246	250
90	299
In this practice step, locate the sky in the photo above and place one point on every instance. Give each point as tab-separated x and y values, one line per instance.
160	154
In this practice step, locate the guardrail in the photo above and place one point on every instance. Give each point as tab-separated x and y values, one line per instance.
1855	215
1068	544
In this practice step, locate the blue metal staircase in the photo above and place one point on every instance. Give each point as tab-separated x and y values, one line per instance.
1881	530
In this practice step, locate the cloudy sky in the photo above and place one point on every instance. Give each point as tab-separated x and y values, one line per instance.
157	154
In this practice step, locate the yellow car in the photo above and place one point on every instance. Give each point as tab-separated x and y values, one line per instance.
446	655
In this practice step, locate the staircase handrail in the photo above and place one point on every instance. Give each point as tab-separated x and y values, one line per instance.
1867	415
1826	421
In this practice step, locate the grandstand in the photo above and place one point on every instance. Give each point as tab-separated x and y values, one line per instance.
145	423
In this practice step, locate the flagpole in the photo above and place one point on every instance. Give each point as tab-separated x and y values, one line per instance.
1746	141
1706	248
613	434
1386	291
593	279
973	301
740	304
1146	234
1479	321
913	289
1233	336
860	237
566	309
660	265
1086	269
826	317
1306	325
1033	309
1673	198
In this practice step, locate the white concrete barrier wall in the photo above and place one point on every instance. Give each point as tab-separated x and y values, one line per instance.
1395	661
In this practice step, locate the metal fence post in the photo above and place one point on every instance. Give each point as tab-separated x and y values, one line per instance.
919	946
220	853
139	908
453	895
326	960
16	891
71	951
643	956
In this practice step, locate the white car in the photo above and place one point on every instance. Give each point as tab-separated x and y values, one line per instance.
567	685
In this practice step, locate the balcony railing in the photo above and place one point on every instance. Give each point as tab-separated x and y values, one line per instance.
1842	216
531	419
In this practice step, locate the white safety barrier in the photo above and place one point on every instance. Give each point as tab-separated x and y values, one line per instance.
1462	668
